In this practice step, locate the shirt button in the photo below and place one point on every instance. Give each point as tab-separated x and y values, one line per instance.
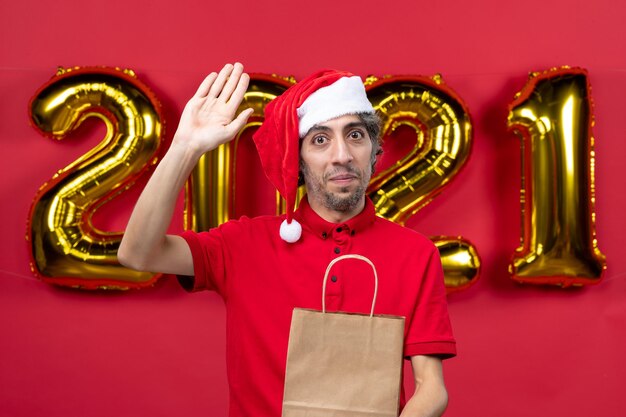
333	278
339	229
352	233
324	235
337	250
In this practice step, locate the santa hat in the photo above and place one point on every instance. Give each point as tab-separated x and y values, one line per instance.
318	98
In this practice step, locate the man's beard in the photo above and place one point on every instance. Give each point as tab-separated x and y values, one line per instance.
341	201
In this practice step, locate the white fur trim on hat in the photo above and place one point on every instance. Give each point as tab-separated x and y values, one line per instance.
290	232
344	96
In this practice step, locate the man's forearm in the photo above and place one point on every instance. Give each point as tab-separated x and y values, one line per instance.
429	400
154	209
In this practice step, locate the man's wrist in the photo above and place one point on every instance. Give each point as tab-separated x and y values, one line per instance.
186	150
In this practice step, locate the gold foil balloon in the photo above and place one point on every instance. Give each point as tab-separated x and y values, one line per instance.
209	197
460	260
443	136
66	248
553	116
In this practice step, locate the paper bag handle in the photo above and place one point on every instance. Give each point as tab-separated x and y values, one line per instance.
341	258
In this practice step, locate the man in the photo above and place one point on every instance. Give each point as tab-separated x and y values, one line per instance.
322	129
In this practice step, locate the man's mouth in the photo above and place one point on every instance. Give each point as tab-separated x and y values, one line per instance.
342	178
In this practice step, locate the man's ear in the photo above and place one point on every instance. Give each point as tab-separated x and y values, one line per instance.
374	159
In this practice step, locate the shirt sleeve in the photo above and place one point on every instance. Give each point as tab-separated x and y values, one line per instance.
208	253
429	329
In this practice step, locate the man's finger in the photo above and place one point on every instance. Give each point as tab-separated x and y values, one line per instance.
240	91
217	86
239	122
232	82
206	84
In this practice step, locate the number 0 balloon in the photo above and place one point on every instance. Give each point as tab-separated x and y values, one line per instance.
442	126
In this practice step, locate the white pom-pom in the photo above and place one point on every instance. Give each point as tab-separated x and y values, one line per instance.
290	232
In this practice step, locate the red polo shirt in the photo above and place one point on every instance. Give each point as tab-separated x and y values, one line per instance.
262	278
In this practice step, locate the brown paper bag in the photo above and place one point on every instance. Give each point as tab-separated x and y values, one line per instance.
343	364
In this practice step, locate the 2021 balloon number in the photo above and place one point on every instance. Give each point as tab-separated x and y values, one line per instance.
552	114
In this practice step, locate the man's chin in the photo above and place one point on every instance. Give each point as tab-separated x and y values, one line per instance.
343	199
342	191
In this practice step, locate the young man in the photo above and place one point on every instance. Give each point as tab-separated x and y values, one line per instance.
323	130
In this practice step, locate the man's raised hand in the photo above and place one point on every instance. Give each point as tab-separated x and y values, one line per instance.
208	119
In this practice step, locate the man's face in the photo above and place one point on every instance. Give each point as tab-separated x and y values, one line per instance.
335	160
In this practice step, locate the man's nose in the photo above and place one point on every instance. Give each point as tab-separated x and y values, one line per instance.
342	153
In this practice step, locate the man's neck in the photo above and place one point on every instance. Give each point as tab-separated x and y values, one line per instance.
333	216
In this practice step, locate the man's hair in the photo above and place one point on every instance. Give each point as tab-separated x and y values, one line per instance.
372	126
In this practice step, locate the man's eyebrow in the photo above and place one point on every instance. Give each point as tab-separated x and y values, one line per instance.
352	125
322	128
318	128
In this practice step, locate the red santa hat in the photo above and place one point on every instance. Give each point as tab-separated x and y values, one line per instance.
322	96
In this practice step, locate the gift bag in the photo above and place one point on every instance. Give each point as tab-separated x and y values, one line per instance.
343	364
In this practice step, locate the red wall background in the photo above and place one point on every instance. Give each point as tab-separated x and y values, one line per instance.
523	350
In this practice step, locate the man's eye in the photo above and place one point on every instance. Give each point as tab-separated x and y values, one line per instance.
356	134
319	140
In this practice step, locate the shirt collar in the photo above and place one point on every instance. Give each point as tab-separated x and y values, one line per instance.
321	228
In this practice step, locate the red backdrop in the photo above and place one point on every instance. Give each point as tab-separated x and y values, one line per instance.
523	350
